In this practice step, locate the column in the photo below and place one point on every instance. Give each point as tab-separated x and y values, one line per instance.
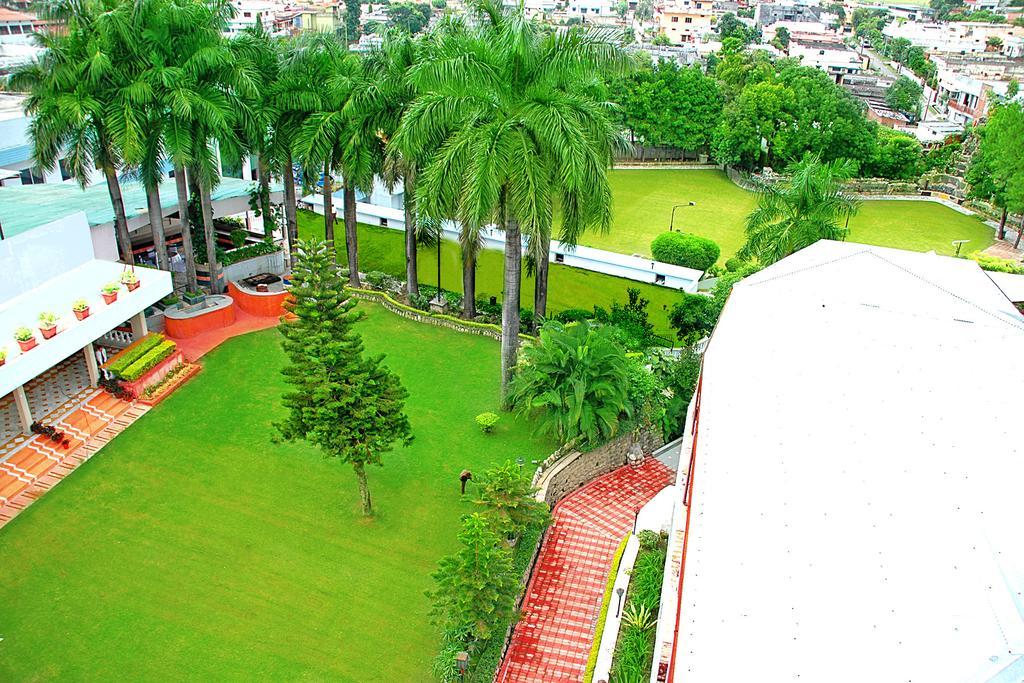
139	328
90	364
246	168
24	412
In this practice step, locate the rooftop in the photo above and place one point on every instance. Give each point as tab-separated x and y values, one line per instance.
855	511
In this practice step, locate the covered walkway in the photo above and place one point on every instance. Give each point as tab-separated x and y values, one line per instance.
552	642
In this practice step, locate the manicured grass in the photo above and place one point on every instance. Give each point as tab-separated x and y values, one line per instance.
192	547
643	202
384	249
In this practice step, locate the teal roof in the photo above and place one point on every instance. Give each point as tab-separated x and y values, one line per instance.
25	207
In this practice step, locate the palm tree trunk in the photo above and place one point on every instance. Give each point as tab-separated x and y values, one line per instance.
1020	229
290	219
364	488
468	284
329	212
124	238
264	171
540	282
156	225
206	206
181	184
510	299
1001	232
408	205
351	237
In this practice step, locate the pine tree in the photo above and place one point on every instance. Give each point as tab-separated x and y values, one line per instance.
476	586
507	493
347	404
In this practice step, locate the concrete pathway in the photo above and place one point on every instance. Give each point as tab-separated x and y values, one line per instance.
552	641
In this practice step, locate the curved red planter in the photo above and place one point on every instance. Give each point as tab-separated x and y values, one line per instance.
183	328
263	304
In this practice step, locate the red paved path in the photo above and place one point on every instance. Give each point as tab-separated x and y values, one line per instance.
197	346
552	641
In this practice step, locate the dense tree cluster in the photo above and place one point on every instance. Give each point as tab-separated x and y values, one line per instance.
996	173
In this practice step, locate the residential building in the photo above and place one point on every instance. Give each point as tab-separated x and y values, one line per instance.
249	12
16	43
851	507
833	57
769	13
685	21
968	84
954	36
17	166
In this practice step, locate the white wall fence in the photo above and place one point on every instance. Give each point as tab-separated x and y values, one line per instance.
586	258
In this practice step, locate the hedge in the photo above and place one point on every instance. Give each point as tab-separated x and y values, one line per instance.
133	353
602	616
248	251
686	250
148	361
996	264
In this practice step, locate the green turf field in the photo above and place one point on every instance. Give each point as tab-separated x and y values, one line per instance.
194	548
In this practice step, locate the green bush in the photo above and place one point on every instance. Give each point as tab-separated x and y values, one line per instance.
573	315
238	237
634	650
380	280
248	251
132	354
996	264
487	421
420	301
148	361
684	249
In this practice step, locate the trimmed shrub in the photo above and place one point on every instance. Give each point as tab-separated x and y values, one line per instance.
134	353
684	249
148	361
380	280
996	264
487	421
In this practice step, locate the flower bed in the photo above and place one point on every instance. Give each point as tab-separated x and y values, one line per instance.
602	616
156	373
174	378
120	362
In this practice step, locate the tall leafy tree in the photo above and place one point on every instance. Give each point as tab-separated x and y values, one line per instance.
512	111
344	402
475	587
997	168
72	90
810	206
507	495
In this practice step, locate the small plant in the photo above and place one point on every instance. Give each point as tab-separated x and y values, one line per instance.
111	288
3	355
639	617
47	320
238	237
128	278
80	305
23	334
379	280
487	421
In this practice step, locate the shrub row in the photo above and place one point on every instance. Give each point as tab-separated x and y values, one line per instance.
602	616
242	253
148	361
686	250
996	264
634	650
133	353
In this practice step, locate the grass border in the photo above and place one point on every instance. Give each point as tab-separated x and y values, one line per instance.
602	616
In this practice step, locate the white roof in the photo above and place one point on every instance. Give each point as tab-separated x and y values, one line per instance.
1011	285
857	489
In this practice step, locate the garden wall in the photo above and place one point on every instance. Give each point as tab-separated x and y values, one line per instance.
563	473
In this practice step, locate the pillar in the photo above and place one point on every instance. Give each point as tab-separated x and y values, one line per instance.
139	328
90	364
24	412
246	168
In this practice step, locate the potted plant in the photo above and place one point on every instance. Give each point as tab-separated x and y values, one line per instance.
80	308
193	298
25	338
110	291
130	279
3	356
47	324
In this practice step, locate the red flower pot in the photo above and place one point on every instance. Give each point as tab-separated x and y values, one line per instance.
109	298
82	314
27	345
132	286
2	361
48	332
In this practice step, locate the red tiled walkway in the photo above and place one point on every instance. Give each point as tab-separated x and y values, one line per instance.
552	641
201	344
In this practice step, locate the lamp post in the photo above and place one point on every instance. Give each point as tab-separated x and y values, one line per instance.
462	662
958	244
520	462
672	221
618	610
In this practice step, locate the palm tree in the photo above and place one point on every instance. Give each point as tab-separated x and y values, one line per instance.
71	90
512	113
811	206
386	99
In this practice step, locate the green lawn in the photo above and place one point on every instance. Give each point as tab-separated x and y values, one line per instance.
384	249
192	547
643	201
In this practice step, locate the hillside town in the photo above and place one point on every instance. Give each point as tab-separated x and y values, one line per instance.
511	341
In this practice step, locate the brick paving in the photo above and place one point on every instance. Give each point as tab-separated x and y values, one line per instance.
552	641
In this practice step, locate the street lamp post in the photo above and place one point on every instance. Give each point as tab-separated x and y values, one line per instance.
672	221
462	662
618	610
958	244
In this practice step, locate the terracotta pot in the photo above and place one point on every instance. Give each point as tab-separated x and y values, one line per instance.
28	345
2	361
48	332
82	314
109	298
132	286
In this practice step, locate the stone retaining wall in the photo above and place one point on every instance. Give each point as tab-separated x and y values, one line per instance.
564	472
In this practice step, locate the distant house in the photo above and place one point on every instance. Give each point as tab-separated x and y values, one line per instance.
686	21
851	507
833	56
